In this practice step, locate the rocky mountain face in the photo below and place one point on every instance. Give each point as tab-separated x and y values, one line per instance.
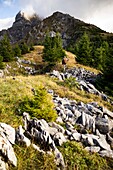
20	28
35	29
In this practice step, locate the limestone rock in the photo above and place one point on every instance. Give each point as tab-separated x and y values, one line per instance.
3	165
21	138
59	159
102	125
93	149
7	150
59	139
8	131
107	153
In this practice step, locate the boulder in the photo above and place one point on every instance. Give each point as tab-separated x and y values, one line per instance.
58	127
21	138
76	137
102	143
93	149
107	153
109	139
59	159
43	138
56	74
3	165
59	120
59	139
38	149
87	121
108	112
8	131
102	125
7	150
89	141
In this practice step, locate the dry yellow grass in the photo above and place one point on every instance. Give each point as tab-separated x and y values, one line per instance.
12	92
36	56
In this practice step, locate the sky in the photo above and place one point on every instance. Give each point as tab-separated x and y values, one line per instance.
97	12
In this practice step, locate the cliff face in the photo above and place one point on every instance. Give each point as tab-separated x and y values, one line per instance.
20	28
35	29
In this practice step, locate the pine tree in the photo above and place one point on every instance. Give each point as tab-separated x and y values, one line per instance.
1	62
6	49
83	50
17	51
53	51
108	69
100	56
24	48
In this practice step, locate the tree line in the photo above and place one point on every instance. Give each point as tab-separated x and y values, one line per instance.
9	52
98	55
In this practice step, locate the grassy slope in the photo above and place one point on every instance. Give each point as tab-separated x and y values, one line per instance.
13	91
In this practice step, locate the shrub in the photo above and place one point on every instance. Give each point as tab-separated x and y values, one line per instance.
77	158
70	83
30	159
40	106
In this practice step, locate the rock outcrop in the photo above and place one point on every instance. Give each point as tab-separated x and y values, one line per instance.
85	80
88	123
34	29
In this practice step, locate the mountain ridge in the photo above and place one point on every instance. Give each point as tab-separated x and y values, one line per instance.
34	29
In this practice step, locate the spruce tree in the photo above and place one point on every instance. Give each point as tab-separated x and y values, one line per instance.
53	51
1	62
6	49
100	56
24	48
17	51
83	50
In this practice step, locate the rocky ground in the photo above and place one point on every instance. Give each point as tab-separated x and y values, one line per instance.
89	124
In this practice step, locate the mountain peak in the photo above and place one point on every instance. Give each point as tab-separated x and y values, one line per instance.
20	15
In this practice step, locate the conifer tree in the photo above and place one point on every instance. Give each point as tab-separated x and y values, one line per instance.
6	49
1	62
24	48
83	50
100	56
53	51
17	51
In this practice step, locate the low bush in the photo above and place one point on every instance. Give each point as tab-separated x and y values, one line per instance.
77	158
70	82
39	106
31	159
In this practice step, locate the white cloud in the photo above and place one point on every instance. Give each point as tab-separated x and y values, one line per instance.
28	11
97	12
8	2
102	18
6	23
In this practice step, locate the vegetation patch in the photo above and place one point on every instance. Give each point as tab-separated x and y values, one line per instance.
40	106
77	158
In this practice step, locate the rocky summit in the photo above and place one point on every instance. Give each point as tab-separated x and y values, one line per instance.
35	28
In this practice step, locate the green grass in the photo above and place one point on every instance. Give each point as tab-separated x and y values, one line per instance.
77	158
13	91
30	159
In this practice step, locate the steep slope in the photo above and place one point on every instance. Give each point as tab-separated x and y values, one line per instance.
72	105
21	27
35	29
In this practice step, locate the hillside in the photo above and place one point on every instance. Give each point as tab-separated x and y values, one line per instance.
71	29
80	136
